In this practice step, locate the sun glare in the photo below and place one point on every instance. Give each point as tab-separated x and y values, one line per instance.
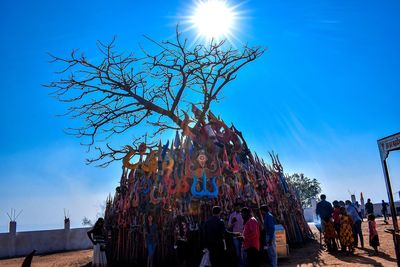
213	19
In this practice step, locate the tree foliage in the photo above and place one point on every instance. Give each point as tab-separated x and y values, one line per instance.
86	221
158	88
305	187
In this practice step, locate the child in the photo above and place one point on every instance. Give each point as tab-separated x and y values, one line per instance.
346	231
336	218
330	235
373	233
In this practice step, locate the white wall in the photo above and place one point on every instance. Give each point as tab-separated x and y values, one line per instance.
378	208
15	244
309	214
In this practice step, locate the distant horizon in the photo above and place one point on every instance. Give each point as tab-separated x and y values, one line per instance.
74	224
36	227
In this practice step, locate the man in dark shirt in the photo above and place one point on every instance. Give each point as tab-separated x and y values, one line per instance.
324	210
369	207
269	238
214	231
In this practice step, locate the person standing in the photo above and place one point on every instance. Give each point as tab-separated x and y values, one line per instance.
346	233
369	207
98	237
336	218
269	238
373	233
384	211
214	232
181	240
235	224
330	235
251	238
324	211
357	230
150	238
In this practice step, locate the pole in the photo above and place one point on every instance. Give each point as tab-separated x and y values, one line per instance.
386	145
395	231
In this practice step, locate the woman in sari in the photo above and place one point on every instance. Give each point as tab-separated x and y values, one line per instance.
346	231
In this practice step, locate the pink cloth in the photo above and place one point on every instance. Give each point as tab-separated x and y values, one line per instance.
372	228
238	225
251	234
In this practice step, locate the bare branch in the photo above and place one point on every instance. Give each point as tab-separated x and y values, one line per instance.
120	92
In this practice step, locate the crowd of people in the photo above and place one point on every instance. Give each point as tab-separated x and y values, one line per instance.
243	240
248	239
341	224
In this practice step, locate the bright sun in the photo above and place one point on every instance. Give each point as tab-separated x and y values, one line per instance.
213	19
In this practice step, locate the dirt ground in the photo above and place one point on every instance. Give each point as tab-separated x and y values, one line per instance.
311	254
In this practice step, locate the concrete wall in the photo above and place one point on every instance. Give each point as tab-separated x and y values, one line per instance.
309	213
15	244
378	208
310	216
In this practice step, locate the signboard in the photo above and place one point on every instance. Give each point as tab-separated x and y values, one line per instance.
280	235
282	248
387	144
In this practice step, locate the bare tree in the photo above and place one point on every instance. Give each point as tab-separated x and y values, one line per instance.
157	88
86	221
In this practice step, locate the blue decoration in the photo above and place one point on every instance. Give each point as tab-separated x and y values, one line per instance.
177	141
146	190
164	150
204	192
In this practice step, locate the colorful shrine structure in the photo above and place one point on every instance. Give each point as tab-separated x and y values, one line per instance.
209	164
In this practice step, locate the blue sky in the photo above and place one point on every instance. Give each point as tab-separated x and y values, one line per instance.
325	91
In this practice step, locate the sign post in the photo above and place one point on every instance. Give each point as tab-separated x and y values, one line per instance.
386	145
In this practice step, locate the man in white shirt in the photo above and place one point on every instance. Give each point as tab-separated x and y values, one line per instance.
357	230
